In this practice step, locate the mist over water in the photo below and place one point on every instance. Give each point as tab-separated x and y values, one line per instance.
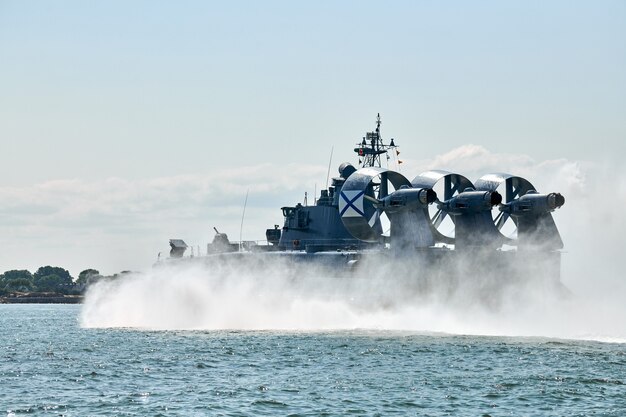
247	297
199	297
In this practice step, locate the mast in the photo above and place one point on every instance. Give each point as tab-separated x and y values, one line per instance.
372	147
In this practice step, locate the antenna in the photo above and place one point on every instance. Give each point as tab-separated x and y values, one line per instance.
332	148
245	203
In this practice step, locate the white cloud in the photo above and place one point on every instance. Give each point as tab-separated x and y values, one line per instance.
68	218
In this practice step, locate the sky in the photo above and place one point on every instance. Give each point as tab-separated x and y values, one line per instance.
125	124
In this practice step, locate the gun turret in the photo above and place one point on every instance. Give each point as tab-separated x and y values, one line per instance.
221	243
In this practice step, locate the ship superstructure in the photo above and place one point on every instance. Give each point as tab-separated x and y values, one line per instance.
320	227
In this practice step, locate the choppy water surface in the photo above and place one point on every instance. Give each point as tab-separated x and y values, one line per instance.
51	366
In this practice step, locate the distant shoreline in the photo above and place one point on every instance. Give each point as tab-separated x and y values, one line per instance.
41	298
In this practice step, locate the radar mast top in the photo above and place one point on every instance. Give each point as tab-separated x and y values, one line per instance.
372	147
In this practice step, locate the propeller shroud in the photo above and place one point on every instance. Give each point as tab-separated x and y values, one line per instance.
357	199
514	187
453	184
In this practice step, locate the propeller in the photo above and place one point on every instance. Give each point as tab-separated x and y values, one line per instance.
360	201
366	196
448	184
524	218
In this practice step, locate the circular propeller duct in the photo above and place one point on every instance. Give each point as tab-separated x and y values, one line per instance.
358	200
446	184
514	187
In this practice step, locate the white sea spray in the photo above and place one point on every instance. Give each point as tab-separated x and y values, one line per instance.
197	296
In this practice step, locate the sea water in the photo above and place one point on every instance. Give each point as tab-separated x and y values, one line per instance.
50	365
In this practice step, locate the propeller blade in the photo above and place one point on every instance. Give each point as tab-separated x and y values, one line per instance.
383	190
372	221
448	190
501	219
439	218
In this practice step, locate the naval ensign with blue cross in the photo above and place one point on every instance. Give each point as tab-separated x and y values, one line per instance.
351	203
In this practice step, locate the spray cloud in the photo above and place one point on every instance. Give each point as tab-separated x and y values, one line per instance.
388	295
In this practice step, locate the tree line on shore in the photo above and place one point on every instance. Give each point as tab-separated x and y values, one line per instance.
49	279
